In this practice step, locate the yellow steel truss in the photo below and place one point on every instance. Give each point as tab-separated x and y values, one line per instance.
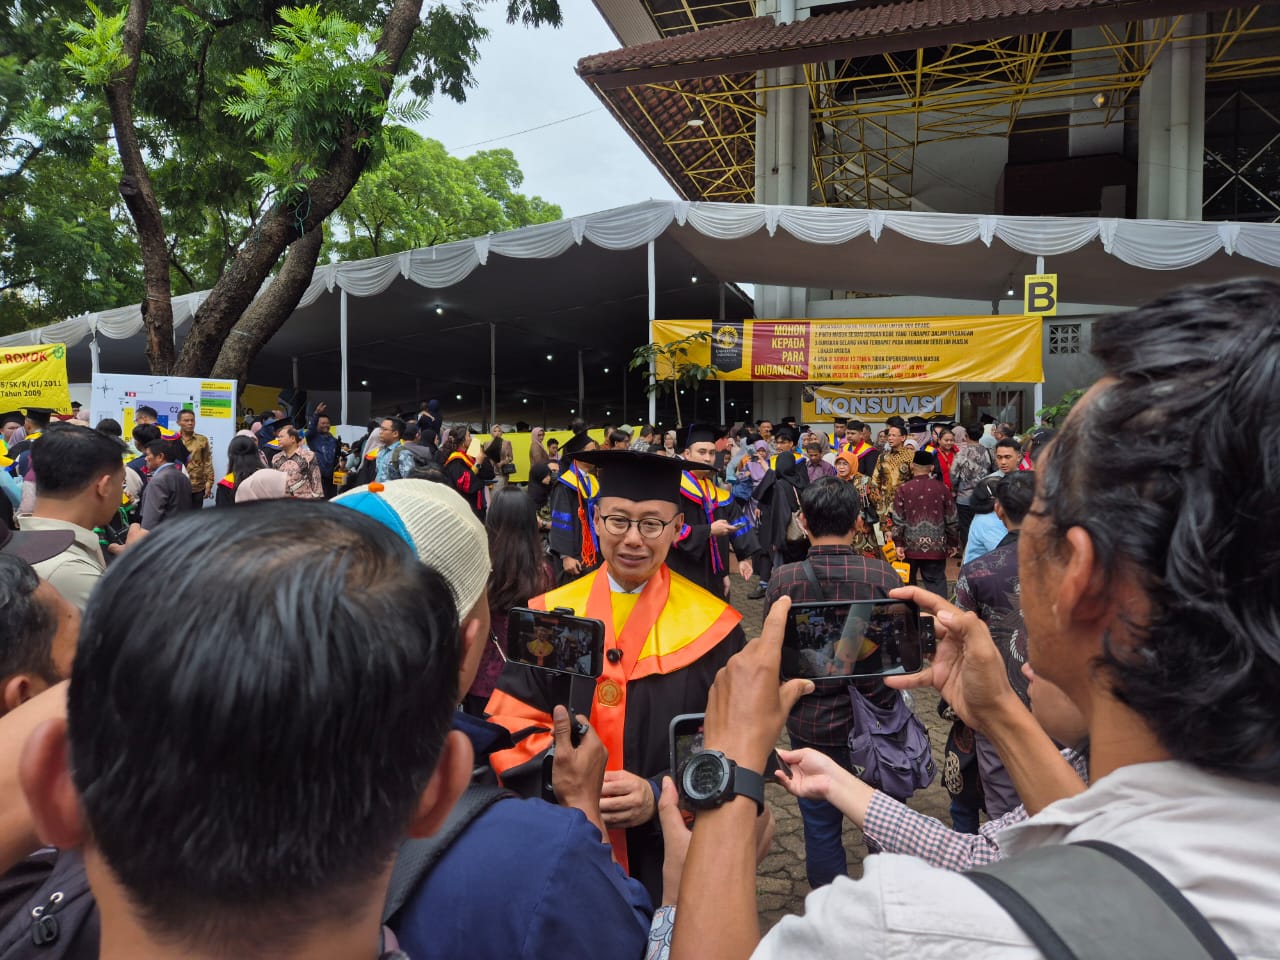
869	116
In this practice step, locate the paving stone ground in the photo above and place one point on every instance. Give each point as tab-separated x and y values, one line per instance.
780	882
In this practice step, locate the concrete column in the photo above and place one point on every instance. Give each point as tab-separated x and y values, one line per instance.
1171	128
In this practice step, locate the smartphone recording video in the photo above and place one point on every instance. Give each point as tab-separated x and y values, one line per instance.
555	641
686	739
863	638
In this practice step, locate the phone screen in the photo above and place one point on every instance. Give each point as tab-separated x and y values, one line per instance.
686	739
555	641
863	638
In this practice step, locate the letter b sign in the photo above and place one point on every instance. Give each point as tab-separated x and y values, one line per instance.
1041	294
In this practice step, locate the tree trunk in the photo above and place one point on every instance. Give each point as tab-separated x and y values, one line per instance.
222	311
268	313
140	198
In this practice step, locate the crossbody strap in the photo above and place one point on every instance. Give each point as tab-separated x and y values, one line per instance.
417	857
813	580
1092	899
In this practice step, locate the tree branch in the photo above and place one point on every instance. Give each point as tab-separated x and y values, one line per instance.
139	196
234	291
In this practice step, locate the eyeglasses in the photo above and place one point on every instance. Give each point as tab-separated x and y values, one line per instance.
650	527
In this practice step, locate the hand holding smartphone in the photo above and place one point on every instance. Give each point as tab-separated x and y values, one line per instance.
555	640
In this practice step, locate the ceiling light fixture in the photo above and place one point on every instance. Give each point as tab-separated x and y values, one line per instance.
457	396
364	383
439	311
1099	100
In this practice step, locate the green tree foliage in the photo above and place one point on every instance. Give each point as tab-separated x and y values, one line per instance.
419	195
674	368
152	147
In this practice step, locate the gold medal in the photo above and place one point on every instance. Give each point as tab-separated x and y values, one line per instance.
609	693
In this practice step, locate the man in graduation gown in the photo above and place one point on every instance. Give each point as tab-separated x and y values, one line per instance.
36	422
665	639
572	536
715	523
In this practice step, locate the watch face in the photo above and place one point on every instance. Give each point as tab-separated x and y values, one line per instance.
705	776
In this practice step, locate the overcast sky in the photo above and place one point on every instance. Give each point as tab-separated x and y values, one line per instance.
525	79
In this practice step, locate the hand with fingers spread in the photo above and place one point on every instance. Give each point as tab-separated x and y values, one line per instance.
815	776
967	669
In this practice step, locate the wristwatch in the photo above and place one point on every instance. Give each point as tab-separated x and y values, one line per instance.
709	779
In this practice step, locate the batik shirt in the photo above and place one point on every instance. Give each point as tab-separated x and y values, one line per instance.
971	464
891	471
989	587
925	517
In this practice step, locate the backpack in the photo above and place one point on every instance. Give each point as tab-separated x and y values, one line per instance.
56	916
422	457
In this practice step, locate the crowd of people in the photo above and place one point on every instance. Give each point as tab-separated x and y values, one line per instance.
291	730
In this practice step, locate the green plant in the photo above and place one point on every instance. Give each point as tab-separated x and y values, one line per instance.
1053	416
673	370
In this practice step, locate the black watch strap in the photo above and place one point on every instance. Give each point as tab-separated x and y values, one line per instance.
748	783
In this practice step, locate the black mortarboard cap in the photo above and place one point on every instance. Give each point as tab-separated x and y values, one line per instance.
700	433
923	459
576	444
637	476
13	416
789	420
917	424
39	415
840	421
787	433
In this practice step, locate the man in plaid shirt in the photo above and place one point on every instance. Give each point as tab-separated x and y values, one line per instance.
824	719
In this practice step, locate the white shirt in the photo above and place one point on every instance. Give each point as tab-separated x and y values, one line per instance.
1216	839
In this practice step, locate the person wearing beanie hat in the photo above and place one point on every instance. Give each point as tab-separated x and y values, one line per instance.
574	546
714	521
665	640
548	855
926	528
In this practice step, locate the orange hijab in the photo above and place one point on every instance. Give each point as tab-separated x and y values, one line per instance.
848	457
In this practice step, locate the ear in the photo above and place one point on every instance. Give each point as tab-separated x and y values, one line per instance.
1082	593
104	486
450	779
18	689
45	773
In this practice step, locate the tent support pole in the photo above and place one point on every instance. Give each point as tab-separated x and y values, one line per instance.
295	373
582	389
493	374
342	349
1037	400
653	314
722	419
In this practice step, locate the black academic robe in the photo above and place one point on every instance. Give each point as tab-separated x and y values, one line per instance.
572	496
692	556
525	697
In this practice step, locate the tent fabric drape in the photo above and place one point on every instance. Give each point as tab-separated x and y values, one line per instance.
1148	244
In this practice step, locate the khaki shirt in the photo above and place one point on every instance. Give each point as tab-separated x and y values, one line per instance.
199	462
75	571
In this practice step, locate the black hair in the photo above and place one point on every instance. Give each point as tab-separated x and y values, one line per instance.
578	425
1009	443
69	458
285	737
974	431
1014	493
29	626
110	427
1161	465
896	422
519	569
144	433
453	438
856	425
551	440
171	450
243	459
397	425
617	436
184	412
830	507
146	411
409	431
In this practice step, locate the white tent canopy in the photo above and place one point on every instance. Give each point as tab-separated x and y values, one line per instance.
559	281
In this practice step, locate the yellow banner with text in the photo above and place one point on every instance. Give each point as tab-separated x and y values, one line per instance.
34	377
923	349
875	402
